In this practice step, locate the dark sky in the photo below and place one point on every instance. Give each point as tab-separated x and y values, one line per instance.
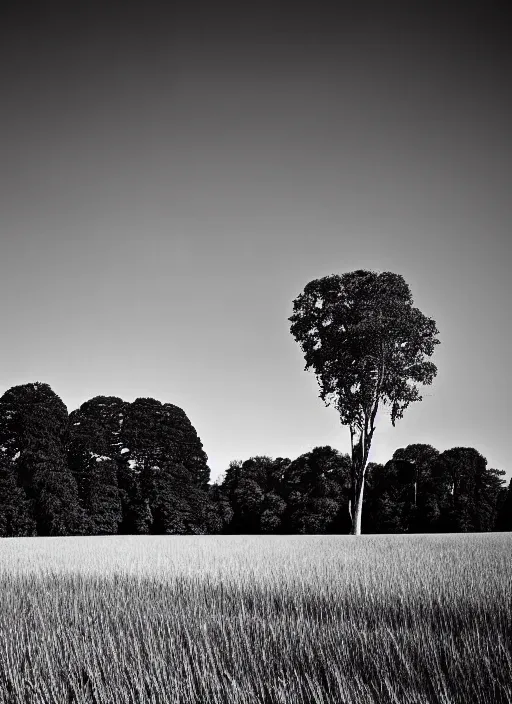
173	175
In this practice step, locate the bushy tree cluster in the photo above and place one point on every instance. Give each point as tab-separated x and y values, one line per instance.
420	490
109	467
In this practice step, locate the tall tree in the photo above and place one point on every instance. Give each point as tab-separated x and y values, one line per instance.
367	345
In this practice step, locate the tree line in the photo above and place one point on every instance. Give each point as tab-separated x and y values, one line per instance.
117	467
113	467
419	490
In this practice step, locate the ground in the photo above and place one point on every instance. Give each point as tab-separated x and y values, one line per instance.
246	619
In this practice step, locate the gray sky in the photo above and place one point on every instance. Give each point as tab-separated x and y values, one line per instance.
170	181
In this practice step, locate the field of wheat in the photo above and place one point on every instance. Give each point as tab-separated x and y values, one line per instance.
247	619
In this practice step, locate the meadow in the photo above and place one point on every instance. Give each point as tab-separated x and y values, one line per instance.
249	619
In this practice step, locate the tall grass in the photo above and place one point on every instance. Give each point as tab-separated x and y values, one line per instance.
295	619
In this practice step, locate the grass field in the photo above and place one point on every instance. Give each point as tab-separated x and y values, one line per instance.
246	619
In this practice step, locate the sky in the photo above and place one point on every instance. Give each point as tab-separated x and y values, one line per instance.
173	175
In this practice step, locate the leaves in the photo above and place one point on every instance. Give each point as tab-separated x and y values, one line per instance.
110	467
162	471
365	342
423	491
34	424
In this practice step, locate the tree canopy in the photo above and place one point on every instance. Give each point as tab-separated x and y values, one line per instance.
34	430
161	478
110	467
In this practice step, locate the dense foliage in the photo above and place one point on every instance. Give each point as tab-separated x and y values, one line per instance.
420	490
109	467
114	467
34	432
423	491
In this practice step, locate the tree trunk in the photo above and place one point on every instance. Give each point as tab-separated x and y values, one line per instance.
357	511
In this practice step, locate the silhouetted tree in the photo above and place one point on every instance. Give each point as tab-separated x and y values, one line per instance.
155	431
162	470
367	345
95	470
488	487
308	495
34	421
178	505
95	457
253	490
163	445
317	491
424	505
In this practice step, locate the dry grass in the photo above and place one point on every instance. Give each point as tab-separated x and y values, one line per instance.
296	619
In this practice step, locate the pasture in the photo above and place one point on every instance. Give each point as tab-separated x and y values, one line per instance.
256	619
